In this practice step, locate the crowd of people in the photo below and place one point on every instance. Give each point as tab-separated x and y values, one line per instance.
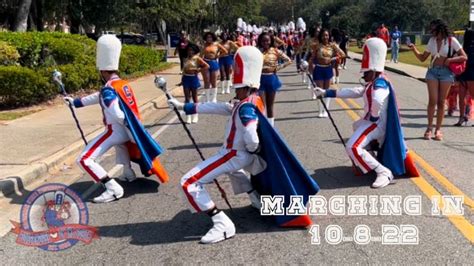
212	56
253	154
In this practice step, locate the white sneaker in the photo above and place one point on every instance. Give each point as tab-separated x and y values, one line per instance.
344	67
222	229
194	118
384	177
255	200
128	175
188	119
113	191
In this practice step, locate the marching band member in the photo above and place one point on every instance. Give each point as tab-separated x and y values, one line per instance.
380	125
123	128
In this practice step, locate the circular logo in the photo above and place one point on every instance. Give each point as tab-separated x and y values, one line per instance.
53	218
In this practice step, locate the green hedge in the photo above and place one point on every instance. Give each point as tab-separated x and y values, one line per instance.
28	59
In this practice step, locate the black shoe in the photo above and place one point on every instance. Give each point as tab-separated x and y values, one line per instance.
462	120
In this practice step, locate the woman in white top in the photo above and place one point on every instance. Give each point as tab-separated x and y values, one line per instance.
444	50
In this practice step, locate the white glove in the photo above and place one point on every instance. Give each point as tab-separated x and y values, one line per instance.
68	100
319	92
175	103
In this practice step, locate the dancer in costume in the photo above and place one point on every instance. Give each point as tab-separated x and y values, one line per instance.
123	128
211	51
323	56
380	126
190	80
270	83
226	61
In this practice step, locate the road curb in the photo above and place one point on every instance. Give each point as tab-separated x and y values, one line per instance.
36	171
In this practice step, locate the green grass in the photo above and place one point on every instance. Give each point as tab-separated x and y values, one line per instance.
406	56
12	115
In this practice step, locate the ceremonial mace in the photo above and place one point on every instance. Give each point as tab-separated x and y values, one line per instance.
57	79
160	83
305	69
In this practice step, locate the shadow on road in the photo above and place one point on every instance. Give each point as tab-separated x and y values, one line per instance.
139	186
7	187
188	227
341	177
191	147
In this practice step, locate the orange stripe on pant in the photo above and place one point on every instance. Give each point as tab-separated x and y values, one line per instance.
91	150
204	172
357	144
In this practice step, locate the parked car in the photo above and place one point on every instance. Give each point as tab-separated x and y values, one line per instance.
131	38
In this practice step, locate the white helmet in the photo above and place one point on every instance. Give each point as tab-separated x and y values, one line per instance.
108	52
248	64
291	26
373	57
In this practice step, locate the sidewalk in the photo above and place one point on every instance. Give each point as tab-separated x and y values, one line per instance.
34	144
416	72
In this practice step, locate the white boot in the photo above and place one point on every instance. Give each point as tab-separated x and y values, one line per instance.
194	118
188	119
222	229
313	95
208	95
227	87
112	192
222	84
384	177
304	77
255	199
337	80
271	120
127	174
322	111
333	80
213	95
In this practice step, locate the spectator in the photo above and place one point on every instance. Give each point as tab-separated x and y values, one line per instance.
396	37
382	33
466	79
439	77
343	45
182	48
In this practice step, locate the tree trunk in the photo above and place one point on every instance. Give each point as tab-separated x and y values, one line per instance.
21	21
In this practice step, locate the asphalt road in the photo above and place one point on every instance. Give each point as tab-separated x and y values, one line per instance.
151	224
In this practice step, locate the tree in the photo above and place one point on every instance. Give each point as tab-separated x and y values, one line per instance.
21	21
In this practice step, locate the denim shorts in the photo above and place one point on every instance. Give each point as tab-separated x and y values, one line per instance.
440	73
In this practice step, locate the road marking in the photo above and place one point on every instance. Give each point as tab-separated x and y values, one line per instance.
442	180
460	222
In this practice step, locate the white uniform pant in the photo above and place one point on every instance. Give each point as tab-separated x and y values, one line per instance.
364	132
114	135
224	162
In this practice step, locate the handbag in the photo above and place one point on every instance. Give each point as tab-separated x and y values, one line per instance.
458	67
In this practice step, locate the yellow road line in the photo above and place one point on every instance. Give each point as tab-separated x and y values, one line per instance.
460	222
430	169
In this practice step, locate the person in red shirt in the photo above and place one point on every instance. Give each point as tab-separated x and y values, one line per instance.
382	33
